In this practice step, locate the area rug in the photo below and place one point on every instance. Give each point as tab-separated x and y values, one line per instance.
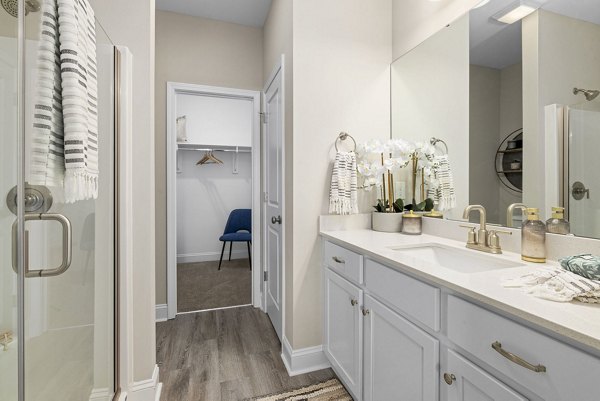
331	390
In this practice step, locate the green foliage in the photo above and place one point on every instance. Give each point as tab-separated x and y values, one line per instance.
425	206
381	207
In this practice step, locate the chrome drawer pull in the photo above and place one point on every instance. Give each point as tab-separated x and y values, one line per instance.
338	260
516	359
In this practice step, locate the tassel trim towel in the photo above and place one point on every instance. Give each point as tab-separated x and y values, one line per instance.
556	284
343	193
65	129
444	195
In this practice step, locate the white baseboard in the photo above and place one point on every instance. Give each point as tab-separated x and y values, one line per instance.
162	313
100	394
303	360
211	256
146	390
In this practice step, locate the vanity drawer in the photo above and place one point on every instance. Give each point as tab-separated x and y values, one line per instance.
570	374
347	263
417	299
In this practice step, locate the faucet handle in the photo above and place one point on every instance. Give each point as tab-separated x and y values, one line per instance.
494	240
472	236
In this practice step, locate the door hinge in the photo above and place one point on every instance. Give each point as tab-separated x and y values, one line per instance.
266	276
265	197
263	118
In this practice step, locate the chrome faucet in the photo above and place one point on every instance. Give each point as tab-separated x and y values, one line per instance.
482	240
511	211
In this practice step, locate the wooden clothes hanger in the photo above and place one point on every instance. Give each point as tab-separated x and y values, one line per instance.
209	158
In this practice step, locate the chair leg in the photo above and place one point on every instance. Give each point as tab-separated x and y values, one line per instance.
230	246
222	251
249	255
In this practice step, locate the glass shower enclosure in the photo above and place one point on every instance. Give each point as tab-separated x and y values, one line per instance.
57	259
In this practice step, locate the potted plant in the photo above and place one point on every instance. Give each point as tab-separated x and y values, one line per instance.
377	163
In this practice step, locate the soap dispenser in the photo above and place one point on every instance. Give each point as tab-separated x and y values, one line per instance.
558	224
533	238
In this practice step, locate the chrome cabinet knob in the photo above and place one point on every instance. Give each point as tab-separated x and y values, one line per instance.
365	312
276	220
353	302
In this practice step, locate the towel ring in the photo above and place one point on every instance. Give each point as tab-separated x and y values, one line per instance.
434	141
342	137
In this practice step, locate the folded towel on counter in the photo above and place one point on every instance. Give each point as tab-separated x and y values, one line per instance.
586	265
444	195
557	284
343	193
65	136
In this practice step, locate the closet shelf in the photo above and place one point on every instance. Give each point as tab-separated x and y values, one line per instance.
214	148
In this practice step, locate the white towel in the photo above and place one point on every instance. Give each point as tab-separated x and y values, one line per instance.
343	193
557	284
65	136
444	195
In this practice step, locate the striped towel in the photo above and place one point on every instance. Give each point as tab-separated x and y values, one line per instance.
556	284
343	193
65	136
443	196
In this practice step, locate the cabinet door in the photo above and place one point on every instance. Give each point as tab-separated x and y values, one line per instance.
470	383
401	360
343	330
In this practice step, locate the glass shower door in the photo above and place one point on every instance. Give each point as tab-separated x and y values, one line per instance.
58	259
583	165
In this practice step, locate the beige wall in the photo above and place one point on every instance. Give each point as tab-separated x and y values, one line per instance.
342	54
496	110
484	129
118	18
416	20
278	41
198	51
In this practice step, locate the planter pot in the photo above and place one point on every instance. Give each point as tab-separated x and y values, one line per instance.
387	222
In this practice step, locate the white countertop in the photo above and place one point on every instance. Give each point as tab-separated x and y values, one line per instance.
577	321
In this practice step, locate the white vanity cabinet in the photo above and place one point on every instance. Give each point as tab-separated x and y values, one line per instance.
384	332
399	358
343	330
468	382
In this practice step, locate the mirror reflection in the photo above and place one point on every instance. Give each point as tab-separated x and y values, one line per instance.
510	93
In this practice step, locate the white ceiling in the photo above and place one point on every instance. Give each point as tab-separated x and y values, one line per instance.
497	45
244	12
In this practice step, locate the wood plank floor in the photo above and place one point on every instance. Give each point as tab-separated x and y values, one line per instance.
224	355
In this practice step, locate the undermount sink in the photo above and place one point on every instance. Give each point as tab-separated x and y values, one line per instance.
460	260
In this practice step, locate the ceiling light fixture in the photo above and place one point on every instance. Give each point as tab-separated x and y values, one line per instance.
517	11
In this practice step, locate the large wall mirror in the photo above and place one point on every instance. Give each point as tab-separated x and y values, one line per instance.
510	93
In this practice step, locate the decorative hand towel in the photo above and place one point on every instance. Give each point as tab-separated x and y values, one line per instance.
587	266
343	194
65	137
556	284
443	195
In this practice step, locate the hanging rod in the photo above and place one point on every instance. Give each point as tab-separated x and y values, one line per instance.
210	148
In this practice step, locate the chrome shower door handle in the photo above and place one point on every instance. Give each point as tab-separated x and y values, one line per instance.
67	245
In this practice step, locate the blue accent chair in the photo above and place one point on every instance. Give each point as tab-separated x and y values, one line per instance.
237	229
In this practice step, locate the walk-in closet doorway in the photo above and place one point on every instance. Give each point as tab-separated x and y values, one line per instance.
213	198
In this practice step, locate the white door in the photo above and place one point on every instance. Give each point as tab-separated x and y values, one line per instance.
463	381
401	360
273	187
343	330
